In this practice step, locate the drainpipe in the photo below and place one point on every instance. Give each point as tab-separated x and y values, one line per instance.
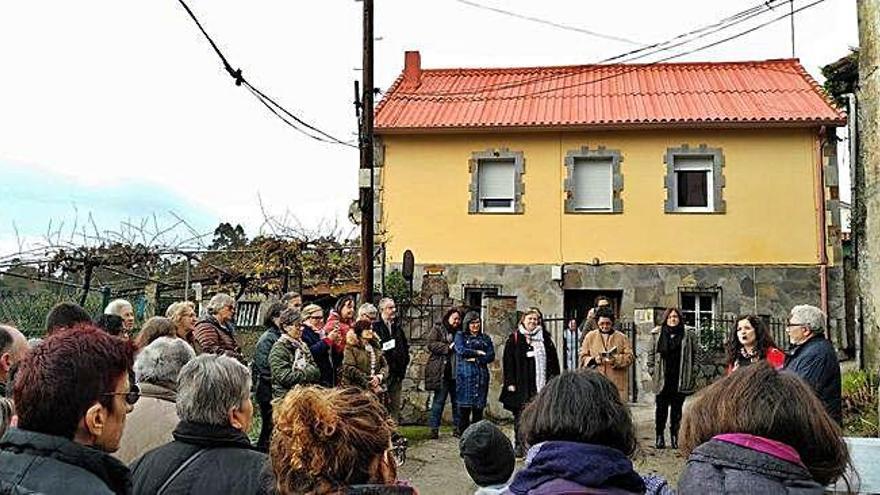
820	221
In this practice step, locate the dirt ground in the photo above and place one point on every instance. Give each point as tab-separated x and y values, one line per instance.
435	468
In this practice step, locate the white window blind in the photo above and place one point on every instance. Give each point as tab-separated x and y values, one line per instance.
496	179
592	184
693	163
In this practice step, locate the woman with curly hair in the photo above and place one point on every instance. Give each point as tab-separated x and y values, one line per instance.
750	342
333	441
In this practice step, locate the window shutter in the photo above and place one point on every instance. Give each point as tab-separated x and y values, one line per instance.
697	162
592	184
496	179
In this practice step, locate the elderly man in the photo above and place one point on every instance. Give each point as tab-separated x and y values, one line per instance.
812	356
13	348
395	348
155	415
71	396
215	334
211	452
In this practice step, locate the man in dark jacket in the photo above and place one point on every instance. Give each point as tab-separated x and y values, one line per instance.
395	348
72	395
211	452
812	356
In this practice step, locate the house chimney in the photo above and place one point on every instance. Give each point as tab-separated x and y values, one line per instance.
412	70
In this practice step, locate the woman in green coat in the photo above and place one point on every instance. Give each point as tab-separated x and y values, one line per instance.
290	360
363	365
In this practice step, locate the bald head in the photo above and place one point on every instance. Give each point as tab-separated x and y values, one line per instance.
13	347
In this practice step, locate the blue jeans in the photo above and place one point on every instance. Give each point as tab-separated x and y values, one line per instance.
447	387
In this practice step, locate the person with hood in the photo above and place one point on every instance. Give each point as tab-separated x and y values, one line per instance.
334	441
440	370
581	439
608	351
473	352
215	334
290	359
528	363
763	431
363	365
671	363
322	346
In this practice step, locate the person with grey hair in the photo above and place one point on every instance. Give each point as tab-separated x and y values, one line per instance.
154	416
215	334
211	452
13	348
124	310
812	356
368	312
396	350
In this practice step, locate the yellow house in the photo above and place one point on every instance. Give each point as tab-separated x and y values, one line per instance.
710	186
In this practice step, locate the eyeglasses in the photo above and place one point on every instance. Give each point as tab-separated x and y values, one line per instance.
789	325
319	318
131	397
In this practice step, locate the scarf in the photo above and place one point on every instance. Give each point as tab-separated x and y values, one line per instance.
535	338
372	352
670	339
587	465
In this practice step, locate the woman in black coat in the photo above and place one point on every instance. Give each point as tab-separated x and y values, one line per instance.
529	362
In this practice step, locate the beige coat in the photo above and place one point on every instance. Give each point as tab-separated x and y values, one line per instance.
595	344
150	424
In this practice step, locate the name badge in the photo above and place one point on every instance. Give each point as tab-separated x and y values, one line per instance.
530	354
387	346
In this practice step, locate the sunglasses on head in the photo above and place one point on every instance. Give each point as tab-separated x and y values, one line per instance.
131	397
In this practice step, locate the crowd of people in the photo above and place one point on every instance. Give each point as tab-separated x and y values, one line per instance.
94	407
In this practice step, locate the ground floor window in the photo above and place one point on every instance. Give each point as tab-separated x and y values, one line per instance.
699	307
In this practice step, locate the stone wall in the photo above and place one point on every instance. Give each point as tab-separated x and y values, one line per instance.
765	290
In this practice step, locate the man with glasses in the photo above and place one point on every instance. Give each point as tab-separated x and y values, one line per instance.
215	334
71	396
812	356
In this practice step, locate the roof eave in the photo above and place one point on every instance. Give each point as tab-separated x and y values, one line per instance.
762	124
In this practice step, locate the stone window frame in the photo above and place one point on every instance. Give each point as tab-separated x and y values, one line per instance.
601	152
518	185
718	181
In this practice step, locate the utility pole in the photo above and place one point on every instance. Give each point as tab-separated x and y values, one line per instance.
366	169
868	192
791	19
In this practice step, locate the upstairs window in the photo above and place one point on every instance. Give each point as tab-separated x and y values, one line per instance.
496	189
593	183
694	180
496	181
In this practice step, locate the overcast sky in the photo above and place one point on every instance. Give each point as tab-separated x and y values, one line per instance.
121	109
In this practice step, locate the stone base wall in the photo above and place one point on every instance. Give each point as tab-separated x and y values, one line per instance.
766	290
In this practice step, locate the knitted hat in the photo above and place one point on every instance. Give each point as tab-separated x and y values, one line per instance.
487	453
311	310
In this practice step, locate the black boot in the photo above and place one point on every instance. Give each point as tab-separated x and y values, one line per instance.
435	434
660	443
673	440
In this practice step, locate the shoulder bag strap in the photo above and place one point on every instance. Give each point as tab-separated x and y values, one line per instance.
180	469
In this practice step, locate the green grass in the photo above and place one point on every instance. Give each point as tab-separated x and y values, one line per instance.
416	434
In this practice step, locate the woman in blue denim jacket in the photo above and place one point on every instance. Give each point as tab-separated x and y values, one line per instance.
474	351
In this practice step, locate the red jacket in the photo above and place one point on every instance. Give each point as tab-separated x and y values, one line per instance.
775	357
344	327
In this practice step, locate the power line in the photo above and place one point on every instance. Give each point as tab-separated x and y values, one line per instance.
236	75
473	95
550	23
656	47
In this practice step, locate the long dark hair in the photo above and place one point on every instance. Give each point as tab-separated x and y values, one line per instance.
758	400
448	314
763	340
580	406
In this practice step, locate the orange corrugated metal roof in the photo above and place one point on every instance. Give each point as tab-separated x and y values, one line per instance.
772	92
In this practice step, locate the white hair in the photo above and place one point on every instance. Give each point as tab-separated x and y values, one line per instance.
160	362
209	387
117	307
809	316
218	302
385	301
368	310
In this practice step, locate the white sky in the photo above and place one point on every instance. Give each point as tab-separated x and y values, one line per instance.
106	93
